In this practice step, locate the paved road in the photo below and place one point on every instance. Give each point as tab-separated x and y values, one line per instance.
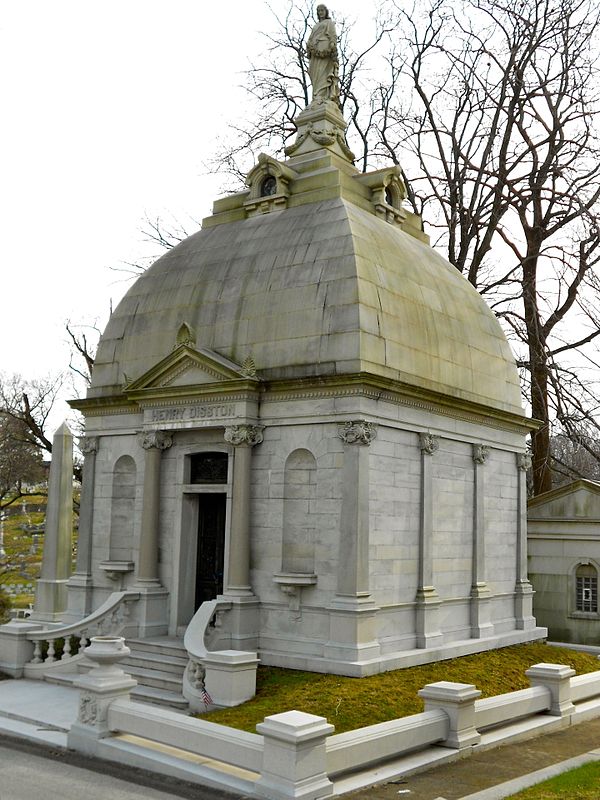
30	772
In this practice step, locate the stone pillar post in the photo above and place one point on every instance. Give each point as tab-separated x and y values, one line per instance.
152	606
480	593
458	701
524	618
294	760
557	679
428	631
243	438
80	584
51	589
243	617
352	612
102	685
153	443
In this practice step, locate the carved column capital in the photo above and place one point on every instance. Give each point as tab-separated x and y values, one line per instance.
358	431
156	439
429	443
89	445
244	435
524	461
480	453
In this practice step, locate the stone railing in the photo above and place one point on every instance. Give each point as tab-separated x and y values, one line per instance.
215	677
29	649
294	754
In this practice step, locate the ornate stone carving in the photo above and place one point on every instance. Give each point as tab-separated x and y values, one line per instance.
480	453
88	445
429	443
524	461
185	336
248	368
158	439
244	435
357	432
196	674
88	709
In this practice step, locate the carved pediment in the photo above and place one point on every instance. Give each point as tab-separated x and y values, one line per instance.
190	366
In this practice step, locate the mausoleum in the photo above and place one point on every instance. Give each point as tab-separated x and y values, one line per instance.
305	411
563	528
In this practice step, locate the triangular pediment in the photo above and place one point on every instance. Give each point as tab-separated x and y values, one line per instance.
577	500
190	366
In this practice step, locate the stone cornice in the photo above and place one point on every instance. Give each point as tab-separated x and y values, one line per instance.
360	384
239	389
104	406
367	385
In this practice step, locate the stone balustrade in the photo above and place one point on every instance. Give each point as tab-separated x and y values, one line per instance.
297	755
29	649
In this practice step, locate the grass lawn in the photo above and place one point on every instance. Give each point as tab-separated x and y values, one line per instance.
350	703
578	784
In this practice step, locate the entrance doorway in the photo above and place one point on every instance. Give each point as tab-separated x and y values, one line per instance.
210	552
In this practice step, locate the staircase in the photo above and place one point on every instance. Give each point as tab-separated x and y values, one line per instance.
158	665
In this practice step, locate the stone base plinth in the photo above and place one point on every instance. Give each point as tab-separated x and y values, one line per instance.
50	600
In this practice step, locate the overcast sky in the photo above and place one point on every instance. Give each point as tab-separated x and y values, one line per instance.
110	111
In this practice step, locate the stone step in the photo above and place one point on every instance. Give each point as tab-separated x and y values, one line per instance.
161	645
160	697
147	660
61	679
156	678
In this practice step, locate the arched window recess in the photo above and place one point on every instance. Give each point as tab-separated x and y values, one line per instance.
269	184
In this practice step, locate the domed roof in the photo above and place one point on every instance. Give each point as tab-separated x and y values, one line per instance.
325	276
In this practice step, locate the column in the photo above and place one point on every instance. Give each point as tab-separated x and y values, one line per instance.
243	438
153	443
80	583
480	593
523	589
352	611
428	631
243	618
51	589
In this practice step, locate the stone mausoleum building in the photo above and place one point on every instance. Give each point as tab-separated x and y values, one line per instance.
564	560
305	411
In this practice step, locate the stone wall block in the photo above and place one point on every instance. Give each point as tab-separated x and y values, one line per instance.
230	676
458	702
294	760
15	648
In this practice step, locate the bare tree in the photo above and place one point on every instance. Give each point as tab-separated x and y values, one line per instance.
21	465
29	403
506	162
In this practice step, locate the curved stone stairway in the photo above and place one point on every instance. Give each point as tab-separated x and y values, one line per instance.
157	664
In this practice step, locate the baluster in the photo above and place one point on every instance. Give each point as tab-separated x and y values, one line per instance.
83	641
102	627
114	622
66	649
37	653
50	657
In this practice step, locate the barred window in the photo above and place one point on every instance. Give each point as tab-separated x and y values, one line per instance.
208	468
586	587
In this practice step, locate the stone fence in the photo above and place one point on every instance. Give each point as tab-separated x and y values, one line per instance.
297	755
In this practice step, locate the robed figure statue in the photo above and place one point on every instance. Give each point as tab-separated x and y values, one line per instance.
323	58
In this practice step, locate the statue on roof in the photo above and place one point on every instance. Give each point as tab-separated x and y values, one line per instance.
323	58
